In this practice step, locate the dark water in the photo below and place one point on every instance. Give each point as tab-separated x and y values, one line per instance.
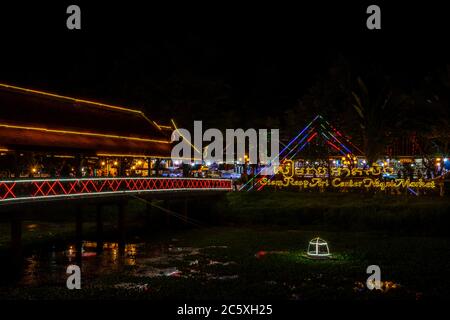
48	267
148	258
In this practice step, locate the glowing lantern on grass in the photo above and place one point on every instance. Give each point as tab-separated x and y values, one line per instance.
318	248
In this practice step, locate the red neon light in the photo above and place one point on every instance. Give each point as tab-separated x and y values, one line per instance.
331	144
85	185
49	188
8	190
312	137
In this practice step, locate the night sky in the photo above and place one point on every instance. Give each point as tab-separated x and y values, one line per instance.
223	62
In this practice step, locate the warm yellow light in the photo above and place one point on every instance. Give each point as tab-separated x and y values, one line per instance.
141	156
139	162
164	127
116	163
179	132
76	100
133	167
150	121
438	159
33	170
81	133
103	163
160	126
69	98
63	156
156	125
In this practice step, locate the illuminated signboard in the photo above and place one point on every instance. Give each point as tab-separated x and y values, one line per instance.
371	178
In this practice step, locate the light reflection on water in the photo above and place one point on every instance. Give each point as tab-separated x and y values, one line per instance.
47	268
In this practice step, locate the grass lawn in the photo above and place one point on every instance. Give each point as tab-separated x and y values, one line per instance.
340	211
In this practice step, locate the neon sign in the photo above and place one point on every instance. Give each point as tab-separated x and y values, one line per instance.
370	178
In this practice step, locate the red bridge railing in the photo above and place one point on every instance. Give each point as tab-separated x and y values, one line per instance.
25	190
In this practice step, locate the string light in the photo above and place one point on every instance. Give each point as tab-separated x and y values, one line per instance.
163	127
82	133
345	161
53	95
76	100
64	156
125	155
280	153
185	139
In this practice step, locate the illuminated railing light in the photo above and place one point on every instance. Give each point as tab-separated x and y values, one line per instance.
17	190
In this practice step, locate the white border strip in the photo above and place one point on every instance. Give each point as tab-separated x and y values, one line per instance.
75	195
111	178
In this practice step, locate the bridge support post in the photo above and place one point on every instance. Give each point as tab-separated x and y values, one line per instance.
16	237
167	213
79	235
149	167
121	227
148	213
99	231
185	210
157	163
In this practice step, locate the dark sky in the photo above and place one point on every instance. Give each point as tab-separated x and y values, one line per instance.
172	58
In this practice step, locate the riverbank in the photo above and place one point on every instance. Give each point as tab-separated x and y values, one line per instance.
243	263
248	246
327	211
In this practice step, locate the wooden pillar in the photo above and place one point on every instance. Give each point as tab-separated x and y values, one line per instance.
99	229
185	210
16	236
167	213
121	227
79	234
79	223
157	163
78	165
148	213
122	165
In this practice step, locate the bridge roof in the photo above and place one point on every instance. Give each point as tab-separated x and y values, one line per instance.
36	120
